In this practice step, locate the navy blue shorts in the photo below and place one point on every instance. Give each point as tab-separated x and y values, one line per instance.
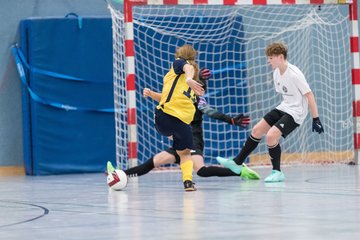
181	132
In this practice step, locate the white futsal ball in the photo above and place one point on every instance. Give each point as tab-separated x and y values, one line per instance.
117	180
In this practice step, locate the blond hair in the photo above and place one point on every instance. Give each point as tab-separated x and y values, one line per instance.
276	49
188	53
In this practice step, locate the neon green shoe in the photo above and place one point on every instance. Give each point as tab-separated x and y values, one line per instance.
275	176
230	164
248	174
110	167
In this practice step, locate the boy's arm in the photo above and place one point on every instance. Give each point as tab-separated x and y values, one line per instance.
317	125
312	104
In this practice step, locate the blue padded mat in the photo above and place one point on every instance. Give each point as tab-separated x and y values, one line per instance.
59	140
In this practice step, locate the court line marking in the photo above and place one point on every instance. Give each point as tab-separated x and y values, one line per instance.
45	212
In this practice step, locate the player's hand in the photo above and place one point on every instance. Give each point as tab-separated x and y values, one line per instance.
241	120
195	86
146	92
317	126
204	74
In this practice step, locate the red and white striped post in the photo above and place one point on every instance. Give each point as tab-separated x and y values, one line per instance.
130	81
130	61
355	75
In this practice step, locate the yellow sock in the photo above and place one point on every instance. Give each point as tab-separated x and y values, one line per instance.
186	169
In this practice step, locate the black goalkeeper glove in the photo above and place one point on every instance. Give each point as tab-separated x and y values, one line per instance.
317	126
241	120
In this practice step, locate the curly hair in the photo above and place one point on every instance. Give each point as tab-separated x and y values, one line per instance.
276	49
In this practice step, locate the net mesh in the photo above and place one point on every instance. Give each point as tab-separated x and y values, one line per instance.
231	42
120	103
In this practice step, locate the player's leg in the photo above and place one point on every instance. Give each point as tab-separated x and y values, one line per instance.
210	171
240	170
272	139
182	142
186	166
259	130
251	143
161	158
283	127
165	157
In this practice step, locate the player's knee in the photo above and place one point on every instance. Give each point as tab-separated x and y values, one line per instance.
202	172
157	160
257	131
163	158
272	138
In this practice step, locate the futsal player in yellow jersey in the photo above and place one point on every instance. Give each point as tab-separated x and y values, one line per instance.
176	108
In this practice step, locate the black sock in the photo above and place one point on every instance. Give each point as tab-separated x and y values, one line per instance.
249	146
213	171
275	155
141	169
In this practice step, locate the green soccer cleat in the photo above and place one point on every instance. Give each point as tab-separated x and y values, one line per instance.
248	174
275	176
109	167
230	164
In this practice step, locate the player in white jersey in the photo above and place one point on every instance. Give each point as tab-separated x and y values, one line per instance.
297	97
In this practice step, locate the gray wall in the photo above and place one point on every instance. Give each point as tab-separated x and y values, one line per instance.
11	12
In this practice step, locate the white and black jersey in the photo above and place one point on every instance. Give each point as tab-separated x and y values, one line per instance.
292	85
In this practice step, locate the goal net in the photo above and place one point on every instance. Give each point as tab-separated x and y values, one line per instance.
231	41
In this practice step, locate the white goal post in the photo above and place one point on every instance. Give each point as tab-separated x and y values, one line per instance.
230	36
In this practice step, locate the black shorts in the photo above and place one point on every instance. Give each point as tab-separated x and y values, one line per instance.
198	138
283	121
181	132
172	151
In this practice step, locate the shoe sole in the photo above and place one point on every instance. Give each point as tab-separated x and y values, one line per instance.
190	189
274	181
251	178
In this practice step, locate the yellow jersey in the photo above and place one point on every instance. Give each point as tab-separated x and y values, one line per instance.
177	98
